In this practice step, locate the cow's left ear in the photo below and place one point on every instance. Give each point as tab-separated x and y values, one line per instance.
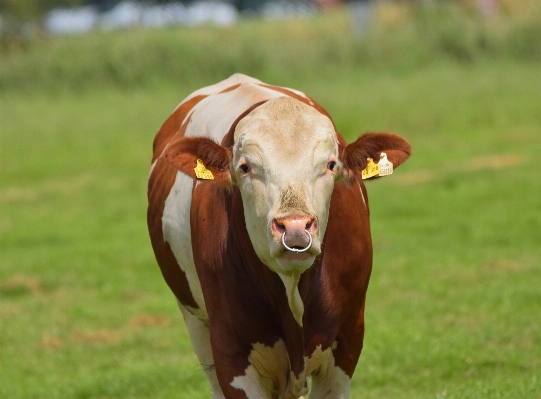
200	157
355	156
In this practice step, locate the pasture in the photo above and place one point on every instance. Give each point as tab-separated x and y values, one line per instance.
455	296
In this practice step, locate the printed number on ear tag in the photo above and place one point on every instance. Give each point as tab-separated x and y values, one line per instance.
385	166
201	172
371	170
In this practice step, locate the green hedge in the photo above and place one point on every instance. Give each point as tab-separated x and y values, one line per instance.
267	49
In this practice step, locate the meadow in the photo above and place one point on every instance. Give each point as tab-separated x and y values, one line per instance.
453	307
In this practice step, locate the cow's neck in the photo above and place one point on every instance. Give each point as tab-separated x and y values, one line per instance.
290	281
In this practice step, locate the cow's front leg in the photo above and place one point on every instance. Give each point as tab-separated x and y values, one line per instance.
200	337
239	382
253	385
251	370
330	381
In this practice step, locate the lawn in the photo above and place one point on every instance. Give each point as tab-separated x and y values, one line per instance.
455	291
454	304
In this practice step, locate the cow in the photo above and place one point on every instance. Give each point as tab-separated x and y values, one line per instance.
258	218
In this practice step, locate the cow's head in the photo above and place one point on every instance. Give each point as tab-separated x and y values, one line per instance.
285	161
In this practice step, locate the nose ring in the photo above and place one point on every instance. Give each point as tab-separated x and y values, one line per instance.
294	249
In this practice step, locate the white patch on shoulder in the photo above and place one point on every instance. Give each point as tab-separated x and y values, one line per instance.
267	371
176	232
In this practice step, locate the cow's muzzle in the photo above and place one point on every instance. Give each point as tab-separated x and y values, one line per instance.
298	249
296	233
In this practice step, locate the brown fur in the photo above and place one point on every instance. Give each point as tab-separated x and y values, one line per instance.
231	88
184	152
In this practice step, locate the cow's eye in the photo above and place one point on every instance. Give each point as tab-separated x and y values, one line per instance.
331	165
244	168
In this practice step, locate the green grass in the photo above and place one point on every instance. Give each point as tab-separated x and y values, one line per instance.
454	301
454	295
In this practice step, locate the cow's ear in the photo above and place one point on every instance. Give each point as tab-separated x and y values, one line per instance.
355	156
190	153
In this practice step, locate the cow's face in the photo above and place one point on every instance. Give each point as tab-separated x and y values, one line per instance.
285	162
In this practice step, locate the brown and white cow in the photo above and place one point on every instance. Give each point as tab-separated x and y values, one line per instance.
270	259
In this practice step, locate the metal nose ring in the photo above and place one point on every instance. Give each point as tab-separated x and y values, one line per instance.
294	249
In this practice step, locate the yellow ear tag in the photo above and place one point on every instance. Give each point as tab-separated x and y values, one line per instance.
371	170
201	172
385	166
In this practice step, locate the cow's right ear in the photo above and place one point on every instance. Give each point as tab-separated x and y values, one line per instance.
189	153
355	156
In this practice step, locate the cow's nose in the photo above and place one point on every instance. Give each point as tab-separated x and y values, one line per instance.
295	228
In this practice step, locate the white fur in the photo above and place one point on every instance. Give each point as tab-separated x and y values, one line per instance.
200	337
330	381
294	300
213	116
224	84
266	372
269	371
152	168
176	231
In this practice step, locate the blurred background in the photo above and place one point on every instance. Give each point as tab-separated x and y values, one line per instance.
78	44
454	301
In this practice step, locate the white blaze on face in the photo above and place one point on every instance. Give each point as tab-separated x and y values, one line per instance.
280	160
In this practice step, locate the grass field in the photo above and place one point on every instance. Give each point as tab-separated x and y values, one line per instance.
454	304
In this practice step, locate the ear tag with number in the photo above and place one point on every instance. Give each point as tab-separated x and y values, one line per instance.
201	172
371	170
385	166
